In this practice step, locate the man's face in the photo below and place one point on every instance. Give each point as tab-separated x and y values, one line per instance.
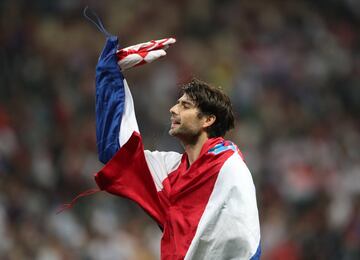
185	121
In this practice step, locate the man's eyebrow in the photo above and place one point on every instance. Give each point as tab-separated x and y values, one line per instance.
185	102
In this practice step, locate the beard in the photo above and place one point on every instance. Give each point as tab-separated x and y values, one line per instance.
185	133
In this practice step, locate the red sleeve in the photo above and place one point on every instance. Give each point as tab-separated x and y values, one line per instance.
127	175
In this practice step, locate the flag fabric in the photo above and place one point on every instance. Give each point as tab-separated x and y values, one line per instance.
207	210
143	53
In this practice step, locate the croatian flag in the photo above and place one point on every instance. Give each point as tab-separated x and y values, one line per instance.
206	211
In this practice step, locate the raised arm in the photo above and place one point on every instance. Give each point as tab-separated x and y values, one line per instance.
115	114
129	171
114	104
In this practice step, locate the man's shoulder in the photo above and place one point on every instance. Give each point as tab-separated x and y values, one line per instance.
223	146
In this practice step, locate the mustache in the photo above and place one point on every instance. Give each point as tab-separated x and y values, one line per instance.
175	119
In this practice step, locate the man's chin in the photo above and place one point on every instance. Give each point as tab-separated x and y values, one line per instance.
175	131
172	132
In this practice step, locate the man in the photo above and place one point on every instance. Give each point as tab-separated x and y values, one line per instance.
203	200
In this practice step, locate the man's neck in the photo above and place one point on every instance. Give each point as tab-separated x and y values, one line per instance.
193	149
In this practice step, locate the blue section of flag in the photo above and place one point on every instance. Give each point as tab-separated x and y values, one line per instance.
219	148
110	100
257	254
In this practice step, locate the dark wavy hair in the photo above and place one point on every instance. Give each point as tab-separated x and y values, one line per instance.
211	101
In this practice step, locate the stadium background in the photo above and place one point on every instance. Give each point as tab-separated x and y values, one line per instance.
292	69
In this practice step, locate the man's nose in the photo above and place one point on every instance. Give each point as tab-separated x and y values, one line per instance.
173	110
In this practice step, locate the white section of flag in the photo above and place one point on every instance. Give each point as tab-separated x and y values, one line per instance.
128	121
161	164
229	227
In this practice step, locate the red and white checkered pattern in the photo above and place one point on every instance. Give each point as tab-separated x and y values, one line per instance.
143	53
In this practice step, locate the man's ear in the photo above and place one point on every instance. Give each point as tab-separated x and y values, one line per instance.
209	120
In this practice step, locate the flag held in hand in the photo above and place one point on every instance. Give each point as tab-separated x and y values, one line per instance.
143	53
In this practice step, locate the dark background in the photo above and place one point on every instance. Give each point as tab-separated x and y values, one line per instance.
292	69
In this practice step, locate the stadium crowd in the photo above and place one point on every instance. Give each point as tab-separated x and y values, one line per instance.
292	69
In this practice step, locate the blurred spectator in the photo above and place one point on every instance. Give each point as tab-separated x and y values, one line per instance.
292	69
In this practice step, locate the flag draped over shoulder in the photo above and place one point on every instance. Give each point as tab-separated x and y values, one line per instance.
206	210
